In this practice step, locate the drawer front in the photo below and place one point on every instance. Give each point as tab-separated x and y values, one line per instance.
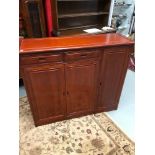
26	60
70	56
117	49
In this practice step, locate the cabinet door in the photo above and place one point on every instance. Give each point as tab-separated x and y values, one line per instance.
81	87
46	86
113	70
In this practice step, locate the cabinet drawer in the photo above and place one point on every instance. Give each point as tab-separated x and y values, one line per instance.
117	49
70	56
41	59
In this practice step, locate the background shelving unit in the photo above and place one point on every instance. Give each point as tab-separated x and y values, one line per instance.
73	16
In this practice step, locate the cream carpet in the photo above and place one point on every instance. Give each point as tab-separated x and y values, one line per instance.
88	135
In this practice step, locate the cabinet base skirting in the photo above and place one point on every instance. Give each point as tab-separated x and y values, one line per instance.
48	120
79	115
106	109
51	120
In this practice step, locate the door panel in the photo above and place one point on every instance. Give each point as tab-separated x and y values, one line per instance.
47	86
113	71
80	87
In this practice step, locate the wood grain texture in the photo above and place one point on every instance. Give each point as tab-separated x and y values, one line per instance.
86	76
80	87
113	70
69	43
47	86
41	58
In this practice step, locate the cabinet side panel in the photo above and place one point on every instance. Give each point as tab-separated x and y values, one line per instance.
114	66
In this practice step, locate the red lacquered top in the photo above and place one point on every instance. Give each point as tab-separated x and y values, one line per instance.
72	42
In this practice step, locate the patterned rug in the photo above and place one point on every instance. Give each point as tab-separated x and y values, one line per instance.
88	135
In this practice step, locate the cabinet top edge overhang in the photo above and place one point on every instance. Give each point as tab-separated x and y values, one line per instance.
35	45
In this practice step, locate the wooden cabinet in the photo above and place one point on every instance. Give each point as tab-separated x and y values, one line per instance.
81	87
58	90
113	70
69	77
46	85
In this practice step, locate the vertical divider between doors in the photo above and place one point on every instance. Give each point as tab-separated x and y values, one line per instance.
65	85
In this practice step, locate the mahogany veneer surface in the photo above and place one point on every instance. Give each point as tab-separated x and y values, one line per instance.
68	77
76	42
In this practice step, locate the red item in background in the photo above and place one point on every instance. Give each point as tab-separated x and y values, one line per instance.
131	65
48	17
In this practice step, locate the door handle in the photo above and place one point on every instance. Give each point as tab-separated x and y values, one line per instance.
42	59
65	93
83	55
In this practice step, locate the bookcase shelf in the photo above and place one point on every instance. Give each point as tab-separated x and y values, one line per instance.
81	27
75	15
82	14
73	0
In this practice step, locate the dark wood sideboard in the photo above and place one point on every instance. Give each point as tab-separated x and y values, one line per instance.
68	77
